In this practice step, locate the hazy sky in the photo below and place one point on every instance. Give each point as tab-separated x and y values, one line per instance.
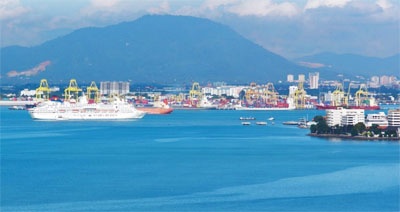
287	27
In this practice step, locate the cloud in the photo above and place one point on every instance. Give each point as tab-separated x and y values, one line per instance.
311	65
259	8
11	8
30	72
263	8
163	8
314	4
104	3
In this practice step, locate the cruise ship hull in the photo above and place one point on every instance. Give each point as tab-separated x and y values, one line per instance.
67	111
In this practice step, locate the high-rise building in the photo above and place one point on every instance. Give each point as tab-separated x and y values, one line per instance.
342	116
302	78
111	88
394	117
313	80
384	80
290	78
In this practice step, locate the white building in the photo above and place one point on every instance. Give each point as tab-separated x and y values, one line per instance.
313	79
394	117
342	116
223	90
376	118
110	88
290	78
302	78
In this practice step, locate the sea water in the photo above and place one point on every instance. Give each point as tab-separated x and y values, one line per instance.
191	160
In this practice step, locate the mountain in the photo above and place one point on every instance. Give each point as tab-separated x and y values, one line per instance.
352	64
152	49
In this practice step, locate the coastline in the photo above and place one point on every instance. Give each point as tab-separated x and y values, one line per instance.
349	137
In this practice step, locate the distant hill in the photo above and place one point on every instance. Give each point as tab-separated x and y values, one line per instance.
155	49
352	64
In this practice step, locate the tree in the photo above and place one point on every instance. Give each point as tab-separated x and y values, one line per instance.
322	127
319	119
313	128
354	131
359	127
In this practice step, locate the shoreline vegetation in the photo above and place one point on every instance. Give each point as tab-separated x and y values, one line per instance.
354	132
358	137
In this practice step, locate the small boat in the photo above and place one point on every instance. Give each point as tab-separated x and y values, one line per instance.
291	123
271	118
261	123
16	108
246	123
247	118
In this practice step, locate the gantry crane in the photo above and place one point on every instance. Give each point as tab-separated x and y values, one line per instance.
43	91
300	96
195	94
72	90
92	92
251	93
361	95
270	95
338	95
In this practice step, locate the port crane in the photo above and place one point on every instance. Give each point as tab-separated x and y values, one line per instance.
72	90
270	95
300	96
361	95
43	91
338	96
92	92
251	93
195	94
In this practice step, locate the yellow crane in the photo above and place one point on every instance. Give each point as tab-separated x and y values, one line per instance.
72	91
361	95
347	96
300	96
195	94
43	91
251	92
92	92
338	95
270	95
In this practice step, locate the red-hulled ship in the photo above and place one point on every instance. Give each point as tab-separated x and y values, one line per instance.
365	107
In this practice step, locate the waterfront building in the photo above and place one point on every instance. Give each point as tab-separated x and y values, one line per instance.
376	118
394	117
233	91
112	88
342	116
313	79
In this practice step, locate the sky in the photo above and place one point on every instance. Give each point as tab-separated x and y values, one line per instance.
291	28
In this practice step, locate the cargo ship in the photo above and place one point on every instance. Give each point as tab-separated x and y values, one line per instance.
157	108
364	107
287	104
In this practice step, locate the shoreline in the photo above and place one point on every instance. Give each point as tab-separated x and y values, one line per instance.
349	137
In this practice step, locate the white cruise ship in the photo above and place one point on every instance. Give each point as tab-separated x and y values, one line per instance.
82	110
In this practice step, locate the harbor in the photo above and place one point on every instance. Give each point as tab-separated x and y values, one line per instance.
199	159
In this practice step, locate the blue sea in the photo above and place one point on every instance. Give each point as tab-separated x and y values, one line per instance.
191	160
